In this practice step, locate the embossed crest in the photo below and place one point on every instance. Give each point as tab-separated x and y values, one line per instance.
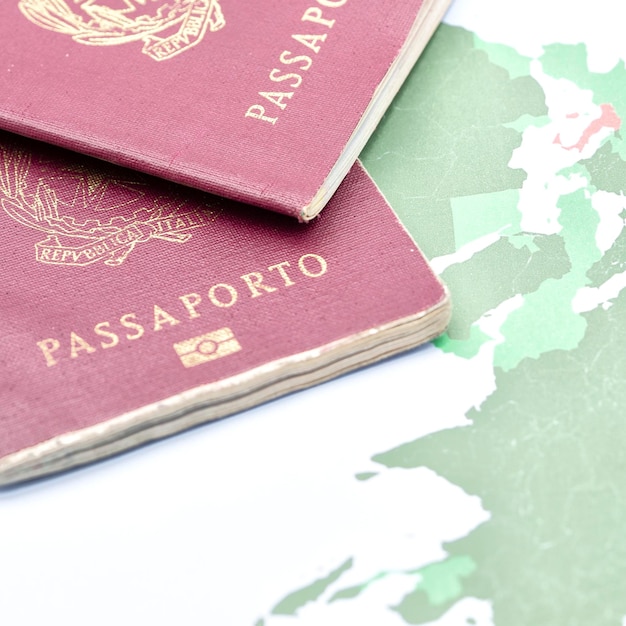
90	215
166	27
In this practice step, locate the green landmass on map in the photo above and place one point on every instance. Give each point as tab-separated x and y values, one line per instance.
459	142
538	452
549	465
300	597
544	451
570	62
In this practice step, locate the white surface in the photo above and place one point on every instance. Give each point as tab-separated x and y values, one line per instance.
218	524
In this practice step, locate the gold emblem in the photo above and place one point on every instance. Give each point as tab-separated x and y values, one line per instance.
166	27
89	216
208	347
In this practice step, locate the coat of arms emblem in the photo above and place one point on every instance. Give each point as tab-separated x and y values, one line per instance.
90	214
166	27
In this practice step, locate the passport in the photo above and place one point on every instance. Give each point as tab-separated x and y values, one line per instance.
133	308
265	102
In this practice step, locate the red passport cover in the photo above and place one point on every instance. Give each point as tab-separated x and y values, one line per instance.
254	101
121	292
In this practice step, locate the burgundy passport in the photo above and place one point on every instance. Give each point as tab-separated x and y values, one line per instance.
267	102
133	308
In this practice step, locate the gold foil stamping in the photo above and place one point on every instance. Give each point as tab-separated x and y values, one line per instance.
207	347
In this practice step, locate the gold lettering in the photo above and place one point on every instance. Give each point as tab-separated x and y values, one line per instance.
214	299
99	329
257	112
193	25
276	97
288	60
283	273
78	344
222	295
310	41
314	14
48	346
99	248
307	272
254	280
162	317
120	239
277	77
126	322
191	301
67	254
134	233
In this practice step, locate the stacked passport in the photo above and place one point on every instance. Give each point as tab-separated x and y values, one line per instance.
134	307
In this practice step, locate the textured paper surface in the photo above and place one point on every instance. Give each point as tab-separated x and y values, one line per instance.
121	291
86	77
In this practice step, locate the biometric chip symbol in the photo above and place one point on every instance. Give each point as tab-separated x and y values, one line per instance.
207	347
